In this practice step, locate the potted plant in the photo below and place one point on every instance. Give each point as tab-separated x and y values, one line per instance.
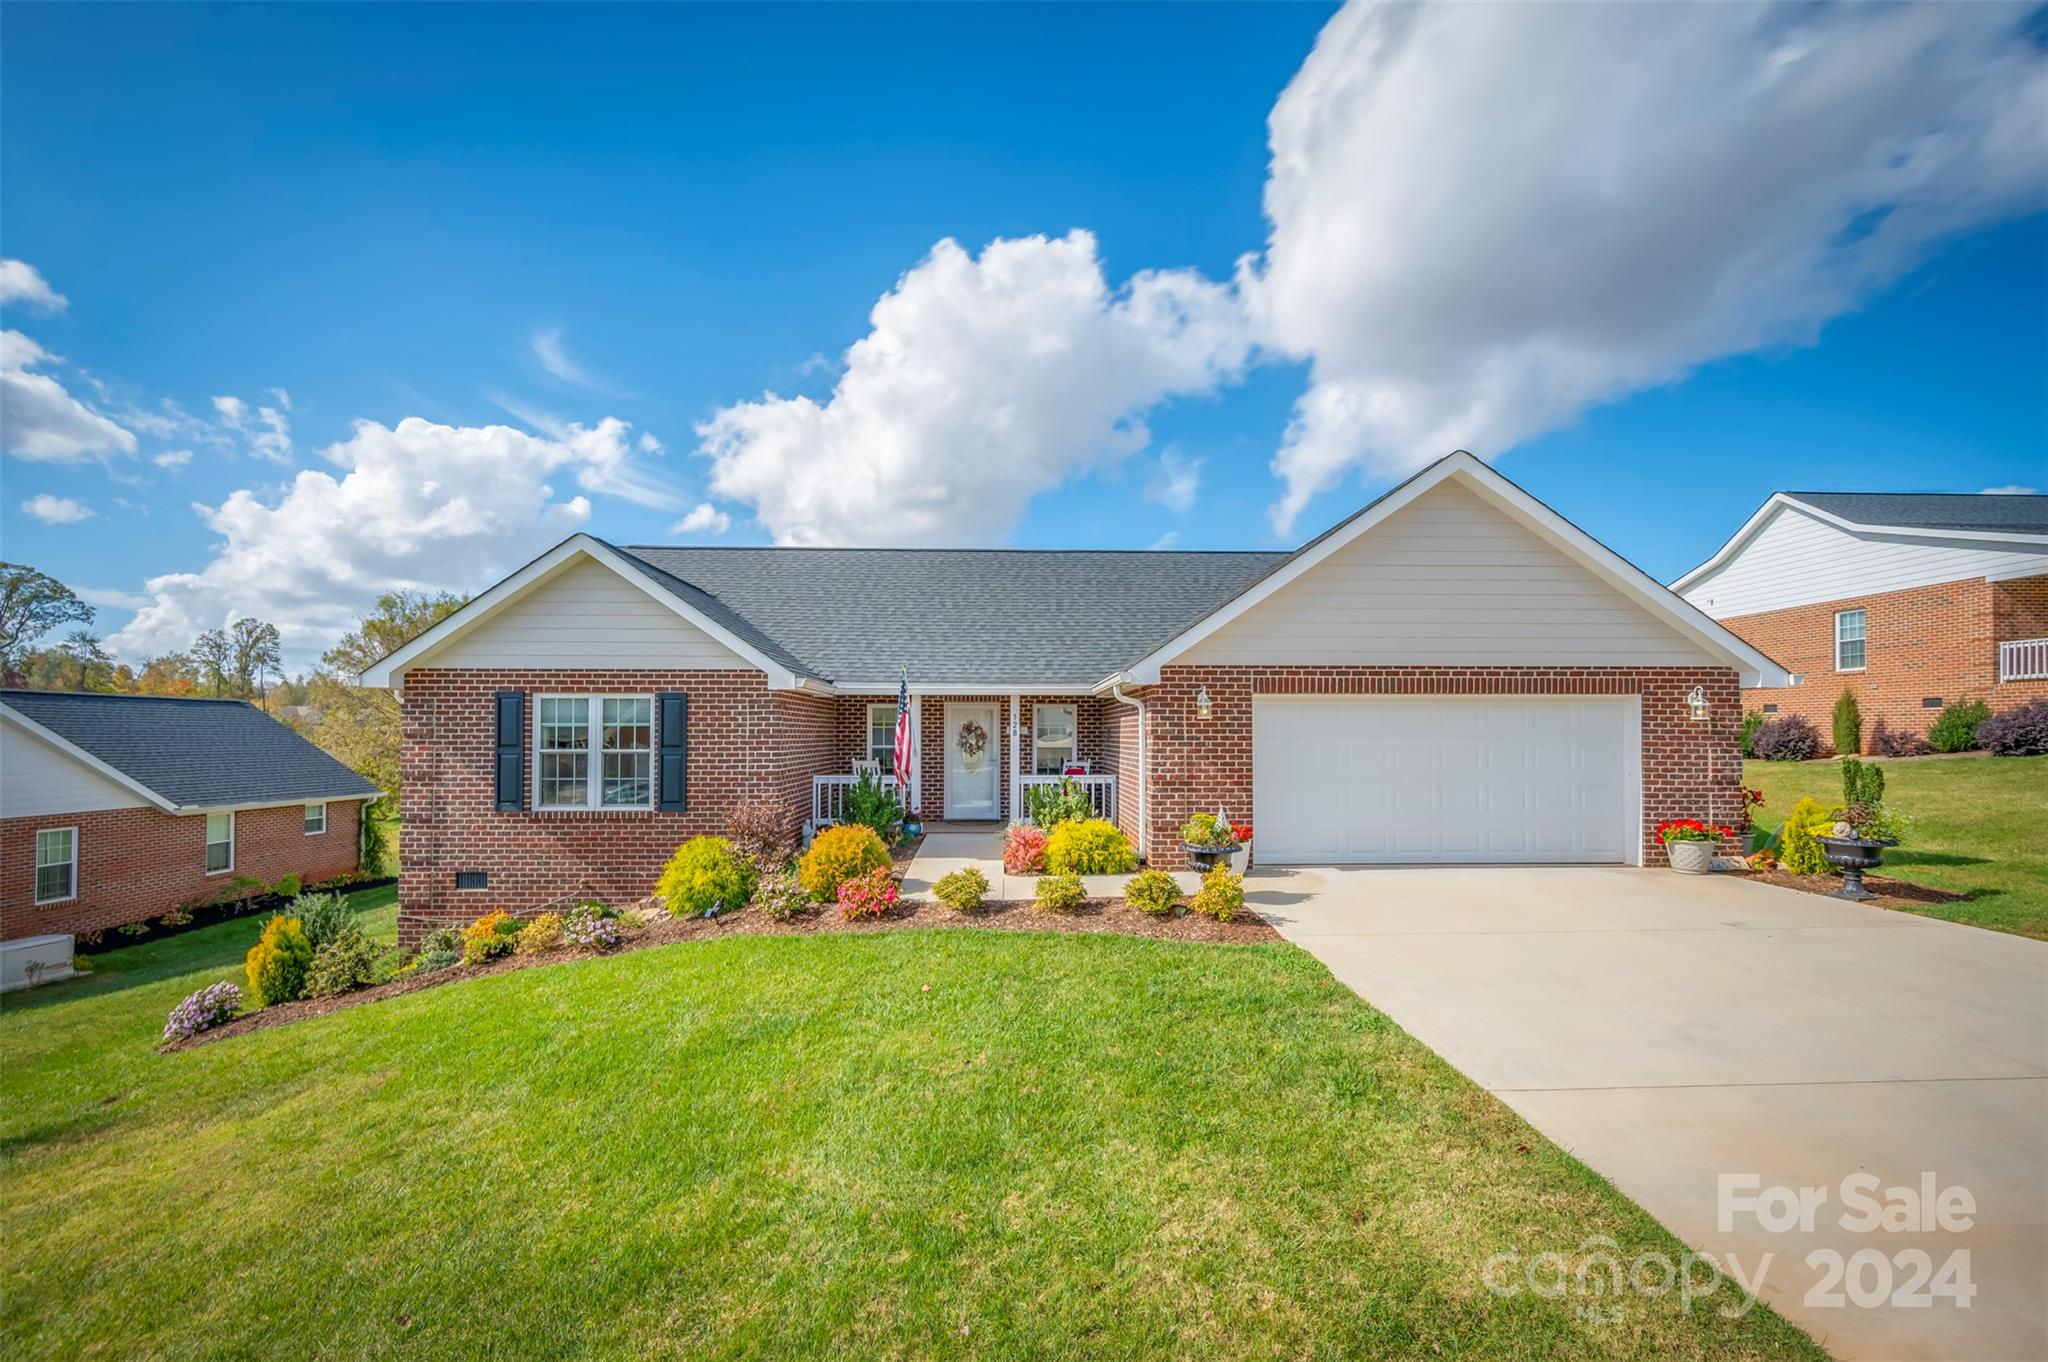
1209	840
1689	843
1861	833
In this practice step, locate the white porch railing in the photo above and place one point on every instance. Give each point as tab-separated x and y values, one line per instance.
1101	794
2023	659
828	797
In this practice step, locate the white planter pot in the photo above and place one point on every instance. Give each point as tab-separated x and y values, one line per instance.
1690	858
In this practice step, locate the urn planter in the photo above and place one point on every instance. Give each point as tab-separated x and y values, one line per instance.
1690	858
1208	858
1853	856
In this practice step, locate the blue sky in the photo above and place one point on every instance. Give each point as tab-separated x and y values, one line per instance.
391	213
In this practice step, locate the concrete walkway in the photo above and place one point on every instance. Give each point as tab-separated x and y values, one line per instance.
941	853
1668	1029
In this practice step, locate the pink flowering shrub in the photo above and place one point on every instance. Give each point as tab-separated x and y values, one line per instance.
1024	850
868	894
202	1011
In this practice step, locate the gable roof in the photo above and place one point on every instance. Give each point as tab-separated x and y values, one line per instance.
1988	517
1573	542
185	755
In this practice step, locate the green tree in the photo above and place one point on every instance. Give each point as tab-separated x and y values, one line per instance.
171	674
86	664
216	660
31	605
256	651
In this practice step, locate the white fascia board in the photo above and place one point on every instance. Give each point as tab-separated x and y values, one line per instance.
1750	528
278	803
1603	562
390	671
963	688
85	758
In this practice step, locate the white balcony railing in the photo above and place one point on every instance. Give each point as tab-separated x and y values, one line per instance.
828	797
2023	659
1101	794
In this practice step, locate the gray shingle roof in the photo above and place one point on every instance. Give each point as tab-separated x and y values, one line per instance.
1989	513
957	616
194	753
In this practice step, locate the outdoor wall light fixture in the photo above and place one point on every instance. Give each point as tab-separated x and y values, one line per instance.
1203	709
1696	704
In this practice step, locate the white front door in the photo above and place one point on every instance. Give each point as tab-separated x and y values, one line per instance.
973	761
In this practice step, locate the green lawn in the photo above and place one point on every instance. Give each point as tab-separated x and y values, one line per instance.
957	1144
1978	825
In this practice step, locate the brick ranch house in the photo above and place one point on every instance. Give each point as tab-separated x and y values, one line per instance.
1453	674
1912	601
117	808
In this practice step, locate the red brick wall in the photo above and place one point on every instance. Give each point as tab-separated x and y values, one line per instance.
1198	764
745	742
135	864
1120	754
1932	641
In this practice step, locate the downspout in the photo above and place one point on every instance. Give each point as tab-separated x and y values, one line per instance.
1144	823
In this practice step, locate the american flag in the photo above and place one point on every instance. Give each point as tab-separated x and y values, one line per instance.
903	782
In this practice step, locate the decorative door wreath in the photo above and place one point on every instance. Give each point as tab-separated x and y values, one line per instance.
972	742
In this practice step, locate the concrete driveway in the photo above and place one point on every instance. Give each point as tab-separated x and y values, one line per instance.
1669	1029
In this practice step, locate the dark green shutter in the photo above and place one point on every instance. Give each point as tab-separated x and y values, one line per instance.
511	711
675	751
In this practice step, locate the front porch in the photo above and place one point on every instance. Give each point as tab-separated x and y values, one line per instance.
956	847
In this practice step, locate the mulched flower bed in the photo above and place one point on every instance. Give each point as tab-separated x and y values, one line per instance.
1096	915
1890	893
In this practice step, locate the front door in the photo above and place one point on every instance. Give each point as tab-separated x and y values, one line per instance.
973	761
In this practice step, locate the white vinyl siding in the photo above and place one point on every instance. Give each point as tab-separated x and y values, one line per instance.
40	779
882	736
586	615
1850	645
1449	579
1052	738
56	865
220	843
616	730
316	819
1798	559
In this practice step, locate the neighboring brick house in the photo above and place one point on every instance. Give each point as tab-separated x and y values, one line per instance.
117	808
1454	674
1912	601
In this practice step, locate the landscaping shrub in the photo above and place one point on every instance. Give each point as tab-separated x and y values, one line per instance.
1751	722
764	831
544	933
2021	732
276	964
963	890
873	805
1956	729
1092	846
1051	805
1848	725
489	937
1023	849
426	962
202	1011
1152	891
1059	894
592	926
347	962
1221	895
324	917
1790	738
442	939
1886	741
837	855
868	894
707	876
288	887
1862	782
1797	850
782	897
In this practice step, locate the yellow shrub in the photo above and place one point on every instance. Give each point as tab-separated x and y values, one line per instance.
544	933
1221	895
837	855
277	963
1089	846
1798	853
489	937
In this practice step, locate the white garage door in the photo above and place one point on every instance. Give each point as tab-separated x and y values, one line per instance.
1364	779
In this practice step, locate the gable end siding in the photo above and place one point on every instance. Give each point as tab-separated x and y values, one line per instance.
41	779
586	615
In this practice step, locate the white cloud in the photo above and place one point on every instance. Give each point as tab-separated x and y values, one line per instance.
2009	490
983	382
266	428
108	598
1177	481
1164	541
1485	218
39	420
554	357
704	518
56	510
172	458
21	283
418	505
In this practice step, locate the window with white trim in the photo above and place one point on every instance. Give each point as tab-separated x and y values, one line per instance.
1850	647
316	819
569	729
220	843
882	737
1052	738
56	865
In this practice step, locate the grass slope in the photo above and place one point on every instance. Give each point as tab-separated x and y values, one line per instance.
1978	827
957	1144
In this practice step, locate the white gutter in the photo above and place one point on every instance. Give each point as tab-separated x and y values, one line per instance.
1144	824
